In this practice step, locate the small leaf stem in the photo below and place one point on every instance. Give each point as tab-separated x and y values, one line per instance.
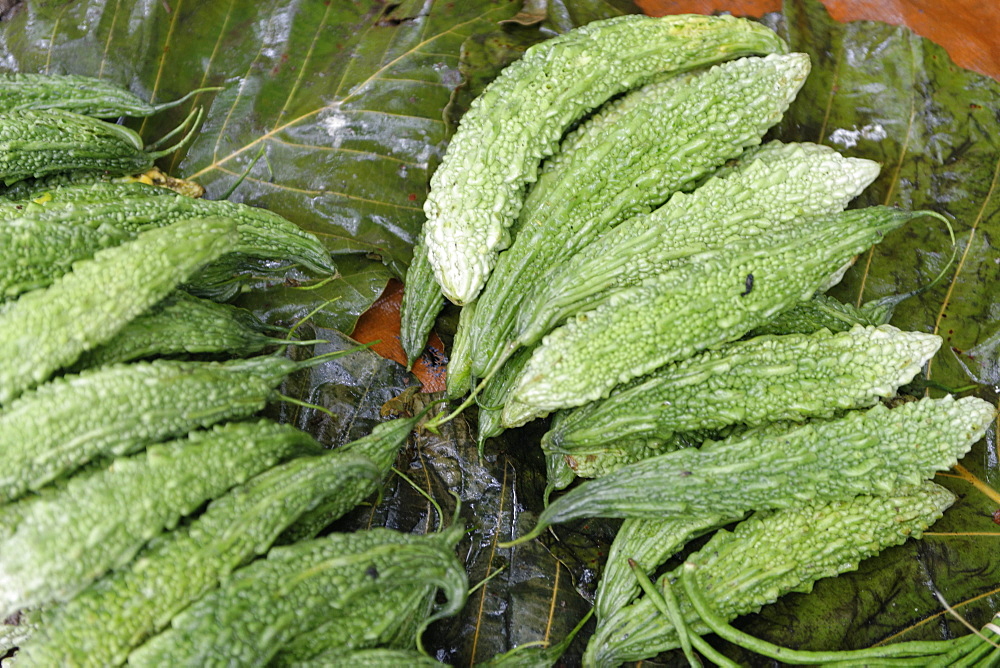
194	116
434	424
422	492
908	651
666	603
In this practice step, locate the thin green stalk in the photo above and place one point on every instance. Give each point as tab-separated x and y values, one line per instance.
195	116
434	424
961	648
894	300
661	603
666	603
317	285
305	404
309	315
991	661
482	583
170	105
909	650
420	490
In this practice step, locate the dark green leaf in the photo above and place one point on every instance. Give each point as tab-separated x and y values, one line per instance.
340	110
329	303
335	110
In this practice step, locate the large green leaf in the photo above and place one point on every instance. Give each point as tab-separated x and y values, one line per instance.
335	111
349	105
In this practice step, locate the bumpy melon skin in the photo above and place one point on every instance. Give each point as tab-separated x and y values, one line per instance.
719	296
666	138
65	540
46	330
769	555
519	119
784	464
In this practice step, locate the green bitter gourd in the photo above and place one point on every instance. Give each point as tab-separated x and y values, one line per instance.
683	129
264	605
863	452
46	330
134	207
117	410
184	324
476	193
719	296
34	144
758	380
649	543
771	186
771	554
78	94
389	621
101	624
67	540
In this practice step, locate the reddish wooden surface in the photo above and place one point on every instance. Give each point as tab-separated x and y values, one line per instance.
968	29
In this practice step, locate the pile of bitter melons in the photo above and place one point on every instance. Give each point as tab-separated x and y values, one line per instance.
659	286
138	489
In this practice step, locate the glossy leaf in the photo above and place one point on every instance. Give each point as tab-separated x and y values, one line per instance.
335	112
338	111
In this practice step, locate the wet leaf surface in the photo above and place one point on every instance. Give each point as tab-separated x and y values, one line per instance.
339	111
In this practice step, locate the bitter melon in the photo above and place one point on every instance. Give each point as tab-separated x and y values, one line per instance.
261	607
869	452
649	543
476	193
682	130
423	299
392	621
771	554
33	252
67	540
771	186
101	624
77	93
185	324
116	410
34	144
764	379
134	207
823	311
48	329
368	658
718	296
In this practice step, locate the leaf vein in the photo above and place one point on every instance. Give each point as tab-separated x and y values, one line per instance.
965	253
453	29
416	81
236	102
52	39
889	194
305	65
552	603
208	69
107	42
489	567
303	191
935	616
163	59
338	149
216	162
